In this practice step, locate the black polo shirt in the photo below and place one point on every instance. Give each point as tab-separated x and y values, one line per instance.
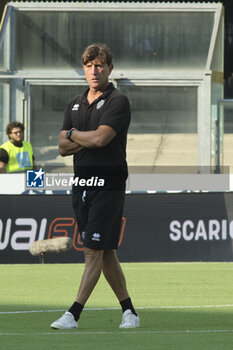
111	108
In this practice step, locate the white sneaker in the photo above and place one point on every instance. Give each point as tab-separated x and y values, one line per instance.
129	320
67	321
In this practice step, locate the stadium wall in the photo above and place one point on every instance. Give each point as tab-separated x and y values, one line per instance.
155	227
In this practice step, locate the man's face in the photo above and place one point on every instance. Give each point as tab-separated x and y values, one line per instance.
97	73
16	135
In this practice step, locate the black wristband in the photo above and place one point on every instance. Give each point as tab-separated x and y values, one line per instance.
68	134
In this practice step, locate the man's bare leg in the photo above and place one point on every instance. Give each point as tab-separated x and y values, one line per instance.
114	274
91	274
115	277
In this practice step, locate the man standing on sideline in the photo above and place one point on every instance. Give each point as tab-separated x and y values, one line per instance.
16	155
95	131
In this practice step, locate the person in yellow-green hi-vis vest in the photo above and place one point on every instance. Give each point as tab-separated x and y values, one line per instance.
16	155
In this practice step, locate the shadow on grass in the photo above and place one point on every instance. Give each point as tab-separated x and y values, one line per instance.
176	329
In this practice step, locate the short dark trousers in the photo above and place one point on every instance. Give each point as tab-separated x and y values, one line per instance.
99	217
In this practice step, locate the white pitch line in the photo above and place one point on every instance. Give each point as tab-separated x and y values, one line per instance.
190	306
187	331
118	308
29	311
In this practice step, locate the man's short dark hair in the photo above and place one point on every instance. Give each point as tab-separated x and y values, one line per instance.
13	125
100	51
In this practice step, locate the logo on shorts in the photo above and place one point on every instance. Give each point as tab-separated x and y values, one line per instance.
99	104
75	107
84	195
96	237
83	234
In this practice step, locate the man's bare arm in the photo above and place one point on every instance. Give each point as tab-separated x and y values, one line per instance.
2	168
67	147
95	138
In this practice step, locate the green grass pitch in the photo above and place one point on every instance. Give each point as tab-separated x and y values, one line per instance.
182	306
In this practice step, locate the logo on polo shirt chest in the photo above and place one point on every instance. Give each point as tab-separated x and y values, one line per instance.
75	107
96	237
100	104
